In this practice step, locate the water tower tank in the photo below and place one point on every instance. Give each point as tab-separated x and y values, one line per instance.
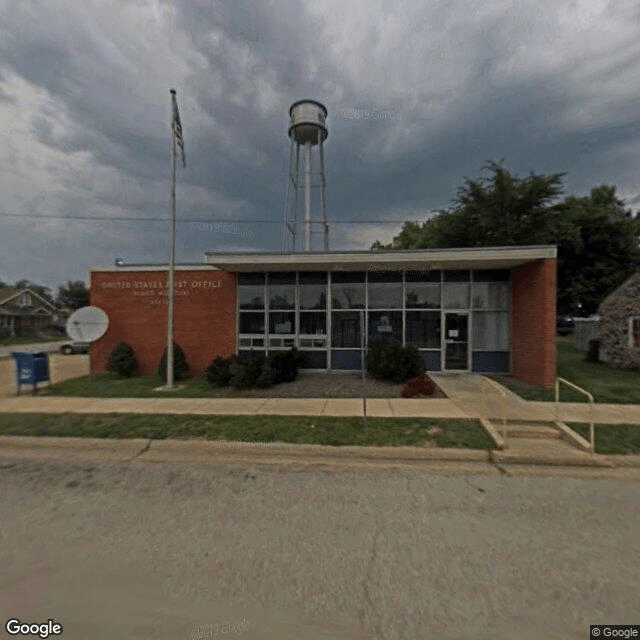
307	121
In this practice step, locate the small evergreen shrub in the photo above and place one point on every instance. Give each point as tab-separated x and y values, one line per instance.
593	352
180	366
218	373
122	360
392	362
286	364
246	371
267	376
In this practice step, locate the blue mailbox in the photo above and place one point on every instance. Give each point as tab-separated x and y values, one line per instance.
31	368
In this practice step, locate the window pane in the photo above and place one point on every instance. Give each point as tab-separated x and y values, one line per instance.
635	332
494	295
251	297
423	329
423	275
282	296
313	296
491	331
423	296
280	322
345	329
252	322
385	296
387	274
455	295
491	275
457	276
251	278
313	323
312	277
385	325
347	296
282	277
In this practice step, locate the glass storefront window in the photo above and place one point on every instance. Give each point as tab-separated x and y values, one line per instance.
347	295
313	296
423	329
280	322
282	296
251	297
455	295
422	296
490	295
491	331
251	322
312	322
385	325
345	329
385	295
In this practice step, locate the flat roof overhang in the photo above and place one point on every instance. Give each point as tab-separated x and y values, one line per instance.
466	258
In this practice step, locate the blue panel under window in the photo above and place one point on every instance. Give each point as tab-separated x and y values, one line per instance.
246	353
314	360
430	360
346	360
490	362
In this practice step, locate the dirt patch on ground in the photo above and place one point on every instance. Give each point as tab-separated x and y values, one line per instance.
326	385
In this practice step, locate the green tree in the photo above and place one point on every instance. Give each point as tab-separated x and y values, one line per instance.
598	240
74	295
45	292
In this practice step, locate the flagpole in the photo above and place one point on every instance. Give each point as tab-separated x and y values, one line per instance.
172	249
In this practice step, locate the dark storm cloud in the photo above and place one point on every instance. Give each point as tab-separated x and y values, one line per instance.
419	96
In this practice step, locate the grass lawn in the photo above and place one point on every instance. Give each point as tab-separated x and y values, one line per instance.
107	386
466	434
604	382
612	438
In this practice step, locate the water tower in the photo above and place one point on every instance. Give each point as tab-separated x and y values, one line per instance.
308	129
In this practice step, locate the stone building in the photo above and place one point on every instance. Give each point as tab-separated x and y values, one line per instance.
620	325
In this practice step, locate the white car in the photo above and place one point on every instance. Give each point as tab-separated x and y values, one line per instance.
68	348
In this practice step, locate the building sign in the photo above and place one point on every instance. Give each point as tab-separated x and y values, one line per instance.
155	292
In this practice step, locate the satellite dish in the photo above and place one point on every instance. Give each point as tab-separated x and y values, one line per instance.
87	324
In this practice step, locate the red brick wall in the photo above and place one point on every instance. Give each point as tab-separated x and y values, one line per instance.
136	304
533	322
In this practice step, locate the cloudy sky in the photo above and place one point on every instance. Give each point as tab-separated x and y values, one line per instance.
419	95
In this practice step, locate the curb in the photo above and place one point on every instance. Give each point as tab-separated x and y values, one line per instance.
126	449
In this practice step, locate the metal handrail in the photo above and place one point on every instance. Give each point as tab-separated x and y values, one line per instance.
503	405
586	393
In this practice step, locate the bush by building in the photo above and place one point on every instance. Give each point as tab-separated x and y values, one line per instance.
392	362
218	373
286	364
180	366
122	361
245	372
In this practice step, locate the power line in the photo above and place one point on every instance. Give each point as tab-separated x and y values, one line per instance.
201	220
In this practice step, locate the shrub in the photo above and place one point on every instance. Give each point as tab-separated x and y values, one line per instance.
593	352
286	364
180	366
391	361
267	376
218	373
420	386
123	361
246	371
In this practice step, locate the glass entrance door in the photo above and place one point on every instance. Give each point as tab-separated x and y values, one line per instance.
456	341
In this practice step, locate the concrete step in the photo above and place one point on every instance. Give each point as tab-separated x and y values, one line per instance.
551	451
532	431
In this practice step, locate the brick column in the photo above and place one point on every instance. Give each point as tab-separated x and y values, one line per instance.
533	322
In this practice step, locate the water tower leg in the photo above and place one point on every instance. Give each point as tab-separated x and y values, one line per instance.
307	194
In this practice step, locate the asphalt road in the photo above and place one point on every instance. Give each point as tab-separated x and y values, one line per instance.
169	550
